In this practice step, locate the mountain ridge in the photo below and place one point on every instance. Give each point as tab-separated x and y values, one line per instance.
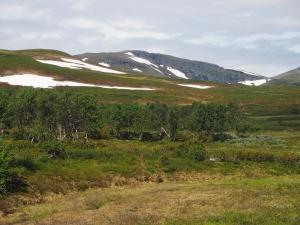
161	65
291	77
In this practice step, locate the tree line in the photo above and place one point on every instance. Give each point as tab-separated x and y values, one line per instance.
39	115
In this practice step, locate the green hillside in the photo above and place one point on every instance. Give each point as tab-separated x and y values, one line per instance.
289	78
257	100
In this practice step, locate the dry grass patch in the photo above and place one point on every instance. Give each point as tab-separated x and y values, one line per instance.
157	203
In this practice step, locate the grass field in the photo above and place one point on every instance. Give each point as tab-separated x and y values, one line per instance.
206	200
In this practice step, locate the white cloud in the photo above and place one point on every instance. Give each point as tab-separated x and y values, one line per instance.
215	40
253	3
295	48
245	14
269	37
83	23
245	42
245	32
127	23
11	11
19	11
119	29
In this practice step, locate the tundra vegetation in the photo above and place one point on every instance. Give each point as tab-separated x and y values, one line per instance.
83	156
66	157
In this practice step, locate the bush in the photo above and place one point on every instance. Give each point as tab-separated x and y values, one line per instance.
164	161
223	136
55	149
192	150
94	134
256	140
285	158
197	152
19	134
9	179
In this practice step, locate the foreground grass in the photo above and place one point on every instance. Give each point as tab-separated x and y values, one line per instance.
98	163
207	200
127	182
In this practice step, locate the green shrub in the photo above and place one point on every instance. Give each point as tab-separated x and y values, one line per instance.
9	179
286	158
19	134
197	152
55	149
190	150
224	136
254	141
164	161
94	134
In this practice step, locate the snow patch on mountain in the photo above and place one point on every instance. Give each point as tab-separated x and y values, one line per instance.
198	86
77	64
177	73
137	70
37	81
250	73
140	60
158	70
84	59
130	54
104	64
254	82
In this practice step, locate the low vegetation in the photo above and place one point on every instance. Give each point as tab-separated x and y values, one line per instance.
91	156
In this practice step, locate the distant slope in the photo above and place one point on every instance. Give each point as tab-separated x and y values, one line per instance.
15	66
42	68
167	66
291	77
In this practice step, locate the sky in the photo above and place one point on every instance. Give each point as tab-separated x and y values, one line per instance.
260	36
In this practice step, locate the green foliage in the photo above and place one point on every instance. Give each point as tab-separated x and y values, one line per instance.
9	179
164	160
172	120
224	136
295	110
40	115
257	140
212	118
197	152
260	156
54	149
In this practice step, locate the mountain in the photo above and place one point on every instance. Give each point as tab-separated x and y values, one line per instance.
42	68
160	65
291	77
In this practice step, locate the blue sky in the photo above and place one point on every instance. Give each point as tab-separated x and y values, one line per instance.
261	36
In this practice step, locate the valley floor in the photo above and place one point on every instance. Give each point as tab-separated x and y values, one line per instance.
129	183
205	200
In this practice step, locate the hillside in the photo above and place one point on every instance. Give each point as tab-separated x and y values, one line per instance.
160	65
291	77
52	68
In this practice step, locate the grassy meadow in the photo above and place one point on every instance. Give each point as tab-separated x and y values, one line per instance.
249	181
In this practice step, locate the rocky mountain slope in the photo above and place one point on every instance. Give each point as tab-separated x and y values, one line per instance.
167	66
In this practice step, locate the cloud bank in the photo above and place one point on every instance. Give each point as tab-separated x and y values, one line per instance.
261	36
